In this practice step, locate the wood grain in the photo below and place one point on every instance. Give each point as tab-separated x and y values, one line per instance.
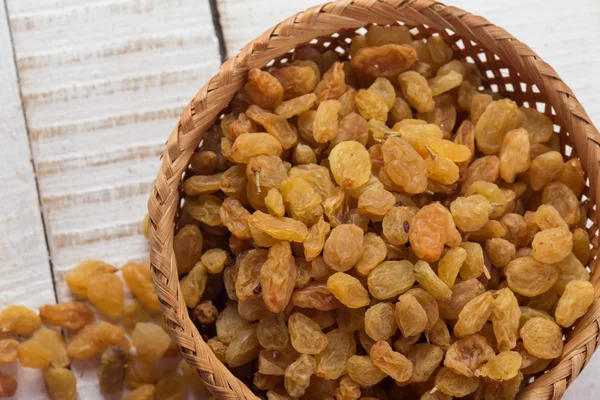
24	266
103	83
243	20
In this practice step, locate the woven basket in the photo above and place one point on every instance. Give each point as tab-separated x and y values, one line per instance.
511	68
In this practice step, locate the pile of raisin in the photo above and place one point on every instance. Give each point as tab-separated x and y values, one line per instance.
137	358
382	227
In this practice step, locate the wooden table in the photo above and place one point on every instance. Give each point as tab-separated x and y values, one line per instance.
90	90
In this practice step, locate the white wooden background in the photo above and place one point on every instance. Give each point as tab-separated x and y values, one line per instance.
90	89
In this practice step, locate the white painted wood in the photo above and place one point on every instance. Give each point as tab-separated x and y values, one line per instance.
24	267
103	83
243	20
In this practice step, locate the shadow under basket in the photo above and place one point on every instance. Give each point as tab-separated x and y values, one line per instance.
508	67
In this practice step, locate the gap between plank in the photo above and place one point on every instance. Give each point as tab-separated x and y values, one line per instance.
32	158
216	17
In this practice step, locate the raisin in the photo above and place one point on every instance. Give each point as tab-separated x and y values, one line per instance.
379	321
425	359
8	350
427	232
503	366
344	247
306	336
278	277
416	91
384	61
171	386
150	340
371	105
316	295
577	297
297	80
60	384
410	316
390	279
332	361
107	293
498	118
506	315
542	338
194	284
348	290
144	392
32	354
78	278
363	371
453	384
53	342
392	363
332	85
514	154
139	280
8	385
374	252
19	319
474	314
350	164
111	372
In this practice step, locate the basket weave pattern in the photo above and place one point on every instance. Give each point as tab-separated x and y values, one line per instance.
508	66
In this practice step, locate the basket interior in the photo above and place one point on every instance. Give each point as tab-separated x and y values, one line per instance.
497	77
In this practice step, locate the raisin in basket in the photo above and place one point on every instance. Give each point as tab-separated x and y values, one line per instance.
511	69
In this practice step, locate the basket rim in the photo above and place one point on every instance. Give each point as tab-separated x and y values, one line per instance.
298	29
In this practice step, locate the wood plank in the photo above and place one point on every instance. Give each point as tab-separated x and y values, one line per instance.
24	266
103	83
243	20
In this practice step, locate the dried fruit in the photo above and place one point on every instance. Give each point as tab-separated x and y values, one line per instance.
503	367
474	314
150	340
33	355
542	338
332	361
53	342
410	316
298	373
392	363
498	118
344	247
380	323
19	319
514	154
529	277
363	371
431	282
8	386
427	232
348	290
416	91
278	277
111	372
72	315
194	284
390	279
506	315
60	383
139	280
171	386
350	164
144	392
78	278
106	292
384	61
306	336
244	347
574	302
453	384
